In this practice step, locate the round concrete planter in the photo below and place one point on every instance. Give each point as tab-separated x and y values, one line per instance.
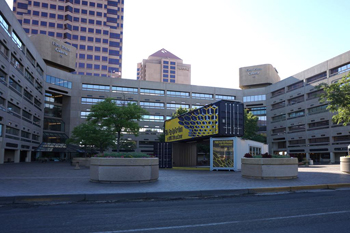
345	164
119	170
82	161
270	168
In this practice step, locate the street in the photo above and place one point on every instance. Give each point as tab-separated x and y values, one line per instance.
318	211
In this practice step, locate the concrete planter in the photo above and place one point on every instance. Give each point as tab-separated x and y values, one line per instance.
82	161
118	170
345	164
270	168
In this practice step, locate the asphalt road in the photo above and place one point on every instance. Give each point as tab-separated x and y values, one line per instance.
319	211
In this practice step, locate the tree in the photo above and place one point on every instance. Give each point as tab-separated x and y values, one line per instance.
117	118
338	97
90	134
251	127
179	111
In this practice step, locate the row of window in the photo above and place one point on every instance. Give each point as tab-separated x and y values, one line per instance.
58	82
143	91
5	51
254	98
338	70
301	127
144	104
313	110
17	112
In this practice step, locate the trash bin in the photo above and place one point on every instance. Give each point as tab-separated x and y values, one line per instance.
311	162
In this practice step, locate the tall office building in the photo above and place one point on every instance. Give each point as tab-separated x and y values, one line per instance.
93	27
163	66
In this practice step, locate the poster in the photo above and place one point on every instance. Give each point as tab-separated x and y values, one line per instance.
223	154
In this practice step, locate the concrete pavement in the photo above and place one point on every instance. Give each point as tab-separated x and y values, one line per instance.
60	182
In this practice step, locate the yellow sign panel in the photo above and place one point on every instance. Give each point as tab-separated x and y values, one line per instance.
198	123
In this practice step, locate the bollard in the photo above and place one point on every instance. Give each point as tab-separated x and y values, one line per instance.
77	166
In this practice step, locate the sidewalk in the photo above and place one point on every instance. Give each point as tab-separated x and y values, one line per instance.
57	181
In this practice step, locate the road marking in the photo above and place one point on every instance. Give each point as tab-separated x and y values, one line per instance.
224	223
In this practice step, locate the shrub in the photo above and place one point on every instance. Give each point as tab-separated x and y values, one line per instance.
247	155
266	155
124	155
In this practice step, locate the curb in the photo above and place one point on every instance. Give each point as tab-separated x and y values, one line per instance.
118	197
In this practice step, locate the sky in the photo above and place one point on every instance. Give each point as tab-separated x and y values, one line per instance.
218	37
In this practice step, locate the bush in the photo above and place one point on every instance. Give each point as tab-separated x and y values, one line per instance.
247	155
266	155
124	155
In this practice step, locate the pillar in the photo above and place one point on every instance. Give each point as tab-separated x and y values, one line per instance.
28	157
307	156
332	157
17	155
2	155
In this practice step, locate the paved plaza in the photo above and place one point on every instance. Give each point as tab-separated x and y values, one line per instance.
60	178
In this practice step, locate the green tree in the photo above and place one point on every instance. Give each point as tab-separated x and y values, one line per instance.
338	97
180	111
90	134
251	127
128	145
117	118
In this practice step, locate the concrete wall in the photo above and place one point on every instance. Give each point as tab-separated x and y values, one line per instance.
257	76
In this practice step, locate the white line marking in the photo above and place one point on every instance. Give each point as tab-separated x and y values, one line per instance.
224	223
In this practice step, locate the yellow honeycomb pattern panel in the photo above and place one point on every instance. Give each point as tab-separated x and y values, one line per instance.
201	122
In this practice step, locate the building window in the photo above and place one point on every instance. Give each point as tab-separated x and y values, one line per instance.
279	118
225	97
17	41
254	150
84	114
151	92
254	98
16	64
91	100
278	105
180	94
318	109
296	128
296	100
316	78
295	86
129	90
176	106
95	87
315	94
152	105
58	81
13	108
12	131
15	86
339	70
153	118
296	114
4	51
124	102
202	96
52	110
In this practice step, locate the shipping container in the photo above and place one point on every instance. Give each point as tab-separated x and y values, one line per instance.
220	119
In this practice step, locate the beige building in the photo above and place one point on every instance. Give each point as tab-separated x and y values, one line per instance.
163	66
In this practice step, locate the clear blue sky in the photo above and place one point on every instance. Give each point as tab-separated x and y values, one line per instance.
218	37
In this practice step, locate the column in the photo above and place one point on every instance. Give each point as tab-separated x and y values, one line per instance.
332	157
2	155
307	156
29	157
17	153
